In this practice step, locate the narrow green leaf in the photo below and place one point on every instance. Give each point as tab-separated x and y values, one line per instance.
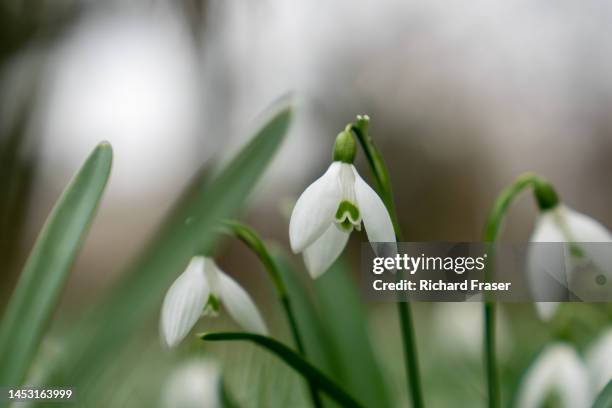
48	266
604	399
310	372
344	318
193	228
378	168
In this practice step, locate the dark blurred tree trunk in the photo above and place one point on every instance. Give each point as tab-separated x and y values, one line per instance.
22	23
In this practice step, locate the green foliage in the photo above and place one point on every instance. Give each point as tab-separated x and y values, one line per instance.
310	372
604	399
48	266
191	229
344	319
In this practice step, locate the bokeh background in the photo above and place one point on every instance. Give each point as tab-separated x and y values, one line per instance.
463	98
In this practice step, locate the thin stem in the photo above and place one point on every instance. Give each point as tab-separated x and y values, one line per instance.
383	187
250	238
505	198
378	169
297	362
492	231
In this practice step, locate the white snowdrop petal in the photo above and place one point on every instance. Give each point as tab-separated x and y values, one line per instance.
211	274
239	305
557	370
184	303
319	256
463	322
315	209
546	310
599	362
375	216
193	384
547	229
584	228
595	235
546	263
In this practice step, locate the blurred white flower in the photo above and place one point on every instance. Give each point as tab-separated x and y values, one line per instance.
458	328
599	361
556	375
562	224
194	384
202	288
328	211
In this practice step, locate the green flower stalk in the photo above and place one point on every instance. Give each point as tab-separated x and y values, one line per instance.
383	187
250	238
547	198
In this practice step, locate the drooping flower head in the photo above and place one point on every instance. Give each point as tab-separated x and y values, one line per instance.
332	207
202	289
599	362
559	223
557	377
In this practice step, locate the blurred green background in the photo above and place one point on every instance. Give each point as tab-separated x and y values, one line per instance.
463	98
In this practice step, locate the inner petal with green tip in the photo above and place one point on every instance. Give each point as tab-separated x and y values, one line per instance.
212	306
348	216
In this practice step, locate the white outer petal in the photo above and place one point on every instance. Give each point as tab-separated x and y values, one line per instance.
184	303
319	256
541	265
464	324
557	369
315	209
599	361
239	305
546	228
585	228
375	216
193	384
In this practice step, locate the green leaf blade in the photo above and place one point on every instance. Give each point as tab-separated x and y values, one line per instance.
344	319
604	399
48	266
294	360
139	293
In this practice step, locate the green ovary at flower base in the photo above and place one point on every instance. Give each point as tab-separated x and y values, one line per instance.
332	207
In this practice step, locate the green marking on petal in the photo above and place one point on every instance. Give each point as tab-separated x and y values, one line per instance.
348	216
212	306
345	226
575	251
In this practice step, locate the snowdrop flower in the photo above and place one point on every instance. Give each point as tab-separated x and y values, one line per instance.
201	289
556	375
559	223
331	207
458	328
599	362
195	383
